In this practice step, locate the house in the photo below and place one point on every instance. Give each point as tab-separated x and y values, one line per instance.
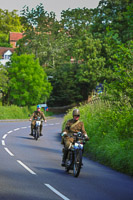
14	37
5	54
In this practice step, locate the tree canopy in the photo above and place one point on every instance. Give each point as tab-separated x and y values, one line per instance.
84	48
9	22
28	84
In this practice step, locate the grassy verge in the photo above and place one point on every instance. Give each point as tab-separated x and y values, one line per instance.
110	132
15	112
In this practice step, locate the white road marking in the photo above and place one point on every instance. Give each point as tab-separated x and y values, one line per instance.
27	168
3	142
57	123
23	127
16	129
51	124
11	154
9	131
56	191
4	136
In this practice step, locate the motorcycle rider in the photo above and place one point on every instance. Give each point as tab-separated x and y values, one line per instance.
37	113
72	126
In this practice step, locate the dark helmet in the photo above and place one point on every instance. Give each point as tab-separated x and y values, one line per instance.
76	112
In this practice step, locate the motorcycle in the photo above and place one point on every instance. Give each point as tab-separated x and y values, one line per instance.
74	156
36	130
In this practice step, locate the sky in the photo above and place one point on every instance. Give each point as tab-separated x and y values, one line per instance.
49	5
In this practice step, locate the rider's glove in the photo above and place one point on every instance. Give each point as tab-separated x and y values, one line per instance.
64	134
86	137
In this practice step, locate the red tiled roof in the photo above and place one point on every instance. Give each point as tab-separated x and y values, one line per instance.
15	36
5	49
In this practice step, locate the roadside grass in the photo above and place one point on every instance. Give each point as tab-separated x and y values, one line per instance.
111	134
15	112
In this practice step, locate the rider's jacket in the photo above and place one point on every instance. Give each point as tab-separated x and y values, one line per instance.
73	126
38	114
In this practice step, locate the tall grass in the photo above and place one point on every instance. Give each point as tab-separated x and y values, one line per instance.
111	134
15	112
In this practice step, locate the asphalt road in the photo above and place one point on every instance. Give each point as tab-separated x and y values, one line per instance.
32	169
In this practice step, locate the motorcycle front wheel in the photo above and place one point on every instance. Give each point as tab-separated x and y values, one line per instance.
77	162
37	133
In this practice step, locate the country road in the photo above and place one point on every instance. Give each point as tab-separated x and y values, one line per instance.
31	169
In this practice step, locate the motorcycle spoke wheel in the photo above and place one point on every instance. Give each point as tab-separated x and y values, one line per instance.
77	163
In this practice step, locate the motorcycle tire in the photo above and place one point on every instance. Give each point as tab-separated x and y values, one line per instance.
69	158
77	162
38	132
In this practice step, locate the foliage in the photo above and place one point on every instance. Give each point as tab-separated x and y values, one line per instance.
88	51
15	112
43	36
119	72
76	20
80	35
9	22
110	134
115	15
5	45
3	79
66	89
28	84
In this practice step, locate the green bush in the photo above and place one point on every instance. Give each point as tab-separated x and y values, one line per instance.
15	112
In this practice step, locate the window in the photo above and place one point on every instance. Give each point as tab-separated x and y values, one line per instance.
7	57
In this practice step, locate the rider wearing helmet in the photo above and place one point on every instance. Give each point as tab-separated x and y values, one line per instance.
37	113
72	126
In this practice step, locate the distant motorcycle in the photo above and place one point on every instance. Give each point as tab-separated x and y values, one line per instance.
36	130
74	156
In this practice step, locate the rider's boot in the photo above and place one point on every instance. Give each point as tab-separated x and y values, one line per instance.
31	132
64	157
41	131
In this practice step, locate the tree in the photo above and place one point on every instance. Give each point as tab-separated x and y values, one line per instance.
88	51
66	89
28	84
76	20
115	15
118	81
3	81
9	22
43	36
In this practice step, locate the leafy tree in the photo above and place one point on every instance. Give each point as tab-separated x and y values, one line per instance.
3	81
115	15
118	69
89	73
9	22
28	84
66	89
43	36
76	20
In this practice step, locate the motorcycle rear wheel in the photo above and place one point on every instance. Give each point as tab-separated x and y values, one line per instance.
77	162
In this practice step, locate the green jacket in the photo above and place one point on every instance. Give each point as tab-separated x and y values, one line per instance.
74	127
38	114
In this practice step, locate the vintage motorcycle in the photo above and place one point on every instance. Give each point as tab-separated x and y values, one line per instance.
36	130
74	156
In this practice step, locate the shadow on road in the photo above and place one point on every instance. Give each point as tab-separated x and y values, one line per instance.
51	170
29	138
